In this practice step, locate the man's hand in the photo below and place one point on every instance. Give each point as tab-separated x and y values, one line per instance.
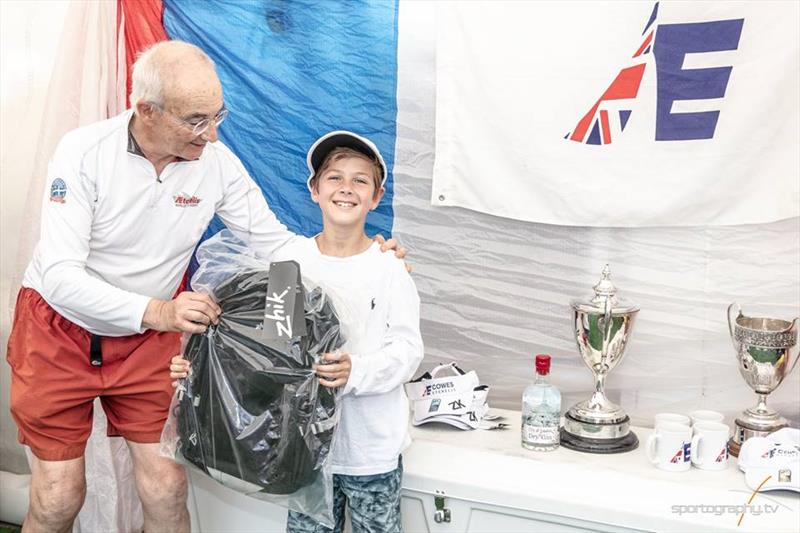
189	312
391	244
335	371
178	369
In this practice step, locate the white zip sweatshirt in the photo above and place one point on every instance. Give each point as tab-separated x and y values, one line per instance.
114	235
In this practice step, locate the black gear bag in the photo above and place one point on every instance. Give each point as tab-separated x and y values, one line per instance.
252	414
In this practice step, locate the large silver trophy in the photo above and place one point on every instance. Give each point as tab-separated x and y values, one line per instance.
764	350
603	326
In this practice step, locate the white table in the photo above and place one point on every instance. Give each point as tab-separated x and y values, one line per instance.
491	483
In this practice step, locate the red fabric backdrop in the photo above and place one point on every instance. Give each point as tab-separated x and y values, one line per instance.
144	26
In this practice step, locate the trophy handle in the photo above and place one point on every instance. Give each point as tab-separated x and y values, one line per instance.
796	350
607	323
730	323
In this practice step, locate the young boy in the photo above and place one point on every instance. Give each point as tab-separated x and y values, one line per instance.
378	308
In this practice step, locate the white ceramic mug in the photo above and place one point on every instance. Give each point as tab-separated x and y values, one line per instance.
669	447
710	446
704	415
672	417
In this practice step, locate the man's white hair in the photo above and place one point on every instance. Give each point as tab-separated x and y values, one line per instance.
154	65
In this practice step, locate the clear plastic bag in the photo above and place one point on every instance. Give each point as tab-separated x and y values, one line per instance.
252	414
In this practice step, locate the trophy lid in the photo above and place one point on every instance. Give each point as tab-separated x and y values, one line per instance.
604	291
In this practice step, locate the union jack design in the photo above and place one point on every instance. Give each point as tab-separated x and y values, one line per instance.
596	125
678	457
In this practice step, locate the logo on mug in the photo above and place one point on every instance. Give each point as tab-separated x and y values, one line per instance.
678	457
683	455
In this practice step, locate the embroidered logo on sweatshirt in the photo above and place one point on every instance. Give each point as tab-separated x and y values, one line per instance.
185	200
58	191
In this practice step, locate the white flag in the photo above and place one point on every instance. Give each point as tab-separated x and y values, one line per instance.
619	113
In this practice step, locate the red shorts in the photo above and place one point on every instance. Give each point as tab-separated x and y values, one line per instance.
53	384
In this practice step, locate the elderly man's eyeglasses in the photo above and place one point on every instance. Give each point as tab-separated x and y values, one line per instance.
199	125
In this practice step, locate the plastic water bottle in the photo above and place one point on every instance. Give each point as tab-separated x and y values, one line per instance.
541	410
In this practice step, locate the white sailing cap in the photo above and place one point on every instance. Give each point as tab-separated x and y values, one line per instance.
346	139
772	462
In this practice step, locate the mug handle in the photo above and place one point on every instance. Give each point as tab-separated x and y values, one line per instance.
695	449
730	323
652	442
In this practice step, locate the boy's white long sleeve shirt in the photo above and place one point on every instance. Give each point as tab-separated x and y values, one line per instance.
378	309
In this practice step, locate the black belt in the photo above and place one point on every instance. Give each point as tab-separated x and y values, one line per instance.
95	350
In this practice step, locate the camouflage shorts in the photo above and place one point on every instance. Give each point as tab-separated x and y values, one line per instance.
374	503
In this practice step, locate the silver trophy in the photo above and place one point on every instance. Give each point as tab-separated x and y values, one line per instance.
764	350
603	326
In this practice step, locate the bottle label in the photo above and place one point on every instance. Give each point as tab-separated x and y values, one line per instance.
539	434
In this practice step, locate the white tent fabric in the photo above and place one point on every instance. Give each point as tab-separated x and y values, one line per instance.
568	113
496	291
29	41
87	85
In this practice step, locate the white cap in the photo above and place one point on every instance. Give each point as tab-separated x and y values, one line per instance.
457	399
774	458
346	139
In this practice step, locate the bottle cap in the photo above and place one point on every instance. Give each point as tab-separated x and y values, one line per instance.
542	364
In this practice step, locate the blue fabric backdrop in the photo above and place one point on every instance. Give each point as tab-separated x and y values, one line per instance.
291	71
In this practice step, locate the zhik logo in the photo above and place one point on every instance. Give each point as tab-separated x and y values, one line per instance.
668	44
456	404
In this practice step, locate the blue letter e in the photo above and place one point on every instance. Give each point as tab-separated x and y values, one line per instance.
673	42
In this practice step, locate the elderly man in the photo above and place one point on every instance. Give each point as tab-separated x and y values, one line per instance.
126	202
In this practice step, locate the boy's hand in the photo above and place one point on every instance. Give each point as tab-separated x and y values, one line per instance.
392	244
178	369
335	371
